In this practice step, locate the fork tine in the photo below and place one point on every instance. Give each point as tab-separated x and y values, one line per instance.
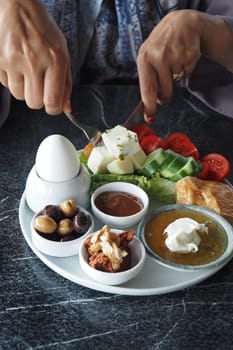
92	134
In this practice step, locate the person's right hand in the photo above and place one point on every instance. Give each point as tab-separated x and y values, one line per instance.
34	58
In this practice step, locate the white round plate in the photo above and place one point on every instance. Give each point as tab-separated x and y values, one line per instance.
154	278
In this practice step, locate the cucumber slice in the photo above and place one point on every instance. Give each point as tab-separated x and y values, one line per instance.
178	163
189	169
169	164
170	157
153	162
175	165
165	167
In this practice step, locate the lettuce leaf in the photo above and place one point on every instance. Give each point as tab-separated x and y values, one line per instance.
161	189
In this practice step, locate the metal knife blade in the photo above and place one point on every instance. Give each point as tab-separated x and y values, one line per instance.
136	116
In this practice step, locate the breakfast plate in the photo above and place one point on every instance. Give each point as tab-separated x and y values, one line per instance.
154	279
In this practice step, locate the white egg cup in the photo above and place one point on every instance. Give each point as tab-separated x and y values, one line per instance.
40	193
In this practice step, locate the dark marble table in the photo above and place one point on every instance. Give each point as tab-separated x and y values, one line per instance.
42	310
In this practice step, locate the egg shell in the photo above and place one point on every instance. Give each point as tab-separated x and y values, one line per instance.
56	159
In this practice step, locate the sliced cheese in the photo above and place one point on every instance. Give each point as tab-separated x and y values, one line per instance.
121	167
138	158
121	142
98	159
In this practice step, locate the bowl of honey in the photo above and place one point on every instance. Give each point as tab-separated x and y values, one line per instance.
187	237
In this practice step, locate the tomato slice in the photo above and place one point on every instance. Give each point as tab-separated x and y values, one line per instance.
176	137
204	171
150	143
142	130
186	148
219	166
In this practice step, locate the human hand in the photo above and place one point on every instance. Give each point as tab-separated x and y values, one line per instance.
172	47
34	59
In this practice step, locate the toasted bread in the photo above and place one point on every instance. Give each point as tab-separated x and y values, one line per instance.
217	196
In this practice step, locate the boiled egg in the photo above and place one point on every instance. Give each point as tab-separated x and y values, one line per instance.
56	159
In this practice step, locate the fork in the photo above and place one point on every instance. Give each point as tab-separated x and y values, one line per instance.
92	134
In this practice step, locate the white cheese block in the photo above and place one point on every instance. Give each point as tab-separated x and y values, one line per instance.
138	158
121	142
118	166
98	159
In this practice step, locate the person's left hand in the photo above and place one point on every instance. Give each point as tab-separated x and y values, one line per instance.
172	48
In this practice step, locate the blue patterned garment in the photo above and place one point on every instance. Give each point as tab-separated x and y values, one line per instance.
64	13
120	27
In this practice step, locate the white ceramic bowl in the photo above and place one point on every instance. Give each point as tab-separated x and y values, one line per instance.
220	227
40	192
58	248
121	222
138	255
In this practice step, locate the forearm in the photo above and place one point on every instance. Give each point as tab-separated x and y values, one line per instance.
217	40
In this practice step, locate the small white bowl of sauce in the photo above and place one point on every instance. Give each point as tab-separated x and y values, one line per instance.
207	244
119	204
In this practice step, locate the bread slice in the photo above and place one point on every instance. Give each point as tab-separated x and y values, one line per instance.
217	196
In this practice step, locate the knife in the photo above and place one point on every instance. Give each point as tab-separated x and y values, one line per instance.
136	116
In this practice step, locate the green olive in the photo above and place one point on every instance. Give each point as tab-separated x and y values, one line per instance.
44	224
64	227
68	207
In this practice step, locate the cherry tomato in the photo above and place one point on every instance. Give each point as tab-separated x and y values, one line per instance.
204	171
219	166
150	143
176	137
186	148
142	130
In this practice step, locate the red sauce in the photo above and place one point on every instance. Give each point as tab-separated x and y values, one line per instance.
118	203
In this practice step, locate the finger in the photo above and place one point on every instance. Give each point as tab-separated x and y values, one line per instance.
67	93
148	82
189	60
161	65
189	67
4	78
33	89
54	88
16	85
165	82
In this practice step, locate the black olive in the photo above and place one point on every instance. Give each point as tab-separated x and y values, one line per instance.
69	237
53	211
51	237
81	223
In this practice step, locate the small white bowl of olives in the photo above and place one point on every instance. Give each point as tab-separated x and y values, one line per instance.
57	230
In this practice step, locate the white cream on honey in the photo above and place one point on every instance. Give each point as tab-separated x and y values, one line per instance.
182	235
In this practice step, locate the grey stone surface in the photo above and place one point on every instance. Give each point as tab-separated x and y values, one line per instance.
40	309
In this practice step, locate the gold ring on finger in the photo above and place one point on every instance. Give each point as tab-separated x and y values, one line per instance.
178	76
